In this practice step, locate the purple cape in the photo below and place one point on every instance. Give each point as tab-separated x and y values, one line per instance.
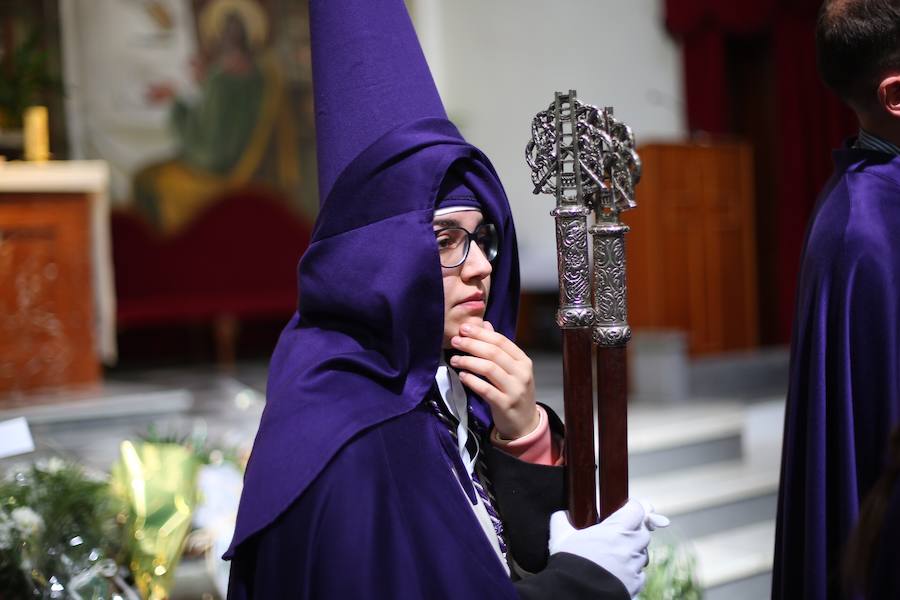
387	519
844	392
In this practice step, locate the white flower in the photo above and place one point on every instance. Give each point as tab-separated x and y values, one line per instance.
28	522
7	532
94	475
55	465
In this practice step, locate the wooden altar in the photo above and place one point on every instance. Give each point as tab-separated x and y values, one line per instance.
56	292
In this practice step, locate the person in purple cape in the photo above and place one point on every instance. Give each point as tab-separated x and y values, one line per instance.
401	453
844	391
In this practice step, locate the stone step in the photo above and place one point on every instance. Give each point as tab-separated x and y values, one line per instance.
709	498
746	374
89	424
736	564
665	438
106	402
724	513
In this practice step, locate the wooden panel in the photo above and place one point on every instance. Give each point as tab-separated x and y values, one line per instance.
46	309
691	250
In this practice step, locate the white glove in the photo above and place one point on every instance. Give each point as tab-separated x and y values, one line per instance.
654	520
618	544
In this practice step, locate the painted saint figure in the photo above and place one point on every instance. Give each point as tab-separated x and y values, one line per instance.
225	130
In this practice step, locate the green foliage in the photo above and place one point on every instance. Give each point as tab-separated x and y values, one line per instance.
198	443
26	77
670	574
55	519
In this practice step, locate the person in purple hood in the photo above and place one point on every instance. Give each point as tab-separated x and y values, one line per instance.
401	454
844	392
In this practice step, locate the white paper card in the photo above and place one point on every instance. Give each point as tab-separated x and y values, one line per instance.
15	437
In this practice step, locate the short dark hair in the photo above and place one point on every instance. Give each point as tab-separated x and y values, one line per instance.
857	42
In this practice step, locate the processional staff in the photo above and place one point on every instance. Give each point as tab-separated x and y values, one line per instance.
586	158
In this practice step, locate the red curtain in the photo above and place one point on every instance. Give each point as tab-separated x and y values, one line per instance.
809	119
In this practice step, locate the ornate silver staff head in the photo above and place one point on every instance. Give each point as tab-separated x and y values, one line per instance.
581	153
553	155
587	159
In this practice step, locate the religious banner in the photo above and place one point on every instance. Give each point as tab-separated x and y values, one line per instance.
192	101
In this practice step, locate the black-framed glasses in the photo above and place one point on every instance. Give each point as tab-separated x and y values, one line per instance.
453	243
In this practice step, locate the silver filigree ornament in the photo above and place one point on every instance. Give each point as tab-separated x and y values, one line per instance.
587	159
609	164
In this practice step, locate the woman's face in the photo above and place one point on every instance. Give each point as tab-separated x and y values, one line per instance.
466	287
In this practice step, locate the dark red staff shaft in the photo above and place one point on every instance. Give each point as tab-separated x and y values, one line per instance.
579	411
612	415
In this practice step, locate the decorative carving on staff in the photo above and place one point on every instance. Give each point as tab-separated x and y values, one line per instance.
574	269
586	158
610	293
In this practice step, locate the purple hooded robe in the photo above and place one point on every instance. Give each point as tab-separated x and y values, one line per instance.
844	392
354	488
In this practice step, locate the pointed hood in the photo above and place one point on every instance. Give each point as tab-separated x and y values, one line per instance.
369	77
366	341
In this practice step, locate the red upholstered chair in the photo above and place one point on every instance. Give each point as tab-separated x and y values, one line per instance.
235	261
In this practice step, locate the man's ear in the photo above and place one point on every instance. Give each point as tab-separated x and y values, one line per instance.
889	94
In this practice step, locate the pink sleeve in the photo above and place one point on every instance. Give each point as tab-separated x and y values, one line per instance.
537	447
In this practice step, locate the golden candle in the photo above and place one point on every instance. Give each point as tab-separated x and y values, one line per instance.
37	134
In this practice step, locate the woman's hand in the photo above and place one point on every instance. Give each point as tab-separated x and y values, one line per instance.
509	385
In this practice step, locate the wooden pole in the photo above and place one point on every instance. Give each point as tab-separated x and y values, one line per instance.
612	416
610	335
578	397
621	171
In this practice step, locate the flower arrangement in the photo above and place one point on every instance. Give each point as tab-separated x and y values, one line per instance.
70	533
671	574
58	531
